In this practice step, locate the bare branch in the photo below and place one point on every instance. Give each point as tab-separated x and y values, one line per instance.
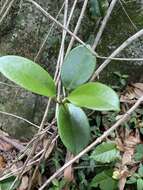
18	117
117	51
104	22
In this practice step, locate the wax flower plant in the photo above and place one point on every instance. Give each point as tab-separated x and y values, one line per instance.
78	67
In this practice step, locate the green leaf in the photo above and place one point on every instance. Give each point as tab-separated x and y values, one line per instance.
73	127
131	180
140	184
27	74
138	156
98	7
104	180
6	184
96	96
105	153
141	130
95	8
140	170
78	67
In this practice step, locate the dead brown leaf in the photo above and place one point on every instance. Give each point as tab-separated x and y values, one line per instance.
132	92
68	172
138	85
122	183
4	146
129	147
2	162
49	151
37	180
126	143
24	183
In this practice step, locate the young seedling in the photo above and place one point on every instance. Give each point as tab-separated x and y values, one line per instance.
78	67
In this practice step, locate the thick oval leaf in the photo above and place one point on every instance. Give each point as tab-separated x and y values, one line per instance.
96	96
73	126
104	180
27	74
78	67
139	184
98	8
105	153
6	183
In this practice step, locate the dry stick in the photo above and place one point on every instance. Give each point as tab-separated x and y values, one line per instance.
33	149
35	59
7	10
36	142
26	150
4	6
30	163
60	58
15	172
117	51
104	22
14	143
44	131
97	141
18	117
78	39
67	25
9	85
40	159
49	32
135	27
58	23
61	52
77	25
41	127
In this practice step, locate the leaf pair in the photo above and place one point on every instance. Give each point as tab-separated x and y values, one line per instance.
77	69
73	127
72	122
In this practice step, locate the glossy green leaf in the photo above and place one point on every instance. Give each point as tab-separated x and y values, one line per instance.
6	184
27	74
78	67
98	8
139	184
138	156
95	8
73	126
104	180
105	153
131	180
96	96
140	170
